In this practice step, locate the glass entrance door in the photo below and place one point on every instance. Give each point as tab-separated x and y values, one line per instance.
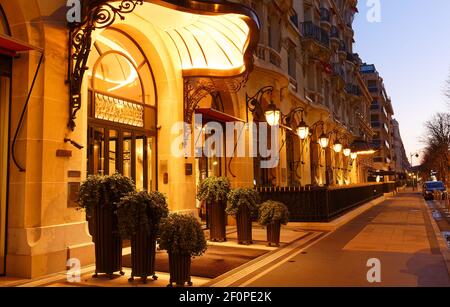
209	164
130	153
5	70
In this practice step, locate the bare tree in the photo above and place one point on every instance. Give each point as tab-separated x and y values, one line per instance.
447	88
437	142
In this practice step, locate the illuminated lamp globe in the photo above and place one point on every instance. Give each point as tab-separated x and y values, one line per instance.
324	141
347	152
303	130
354	155
273	115
337	147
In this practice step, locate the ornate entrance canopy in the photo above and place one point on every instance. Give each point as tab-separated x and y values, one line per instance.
213	39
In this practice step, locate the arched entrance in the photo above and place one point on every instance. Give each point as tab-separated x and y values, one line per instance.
121	110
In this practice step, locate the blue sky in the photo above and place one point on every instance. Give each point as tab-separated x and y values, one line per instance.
411	49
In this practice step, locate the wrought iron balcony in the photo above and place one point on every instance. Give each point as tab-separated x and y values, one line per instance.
294	19
312	31
353	89
325	15
334	34
338	70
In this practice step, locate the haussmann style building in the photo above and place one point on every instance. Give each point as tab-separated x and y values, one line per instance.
104	94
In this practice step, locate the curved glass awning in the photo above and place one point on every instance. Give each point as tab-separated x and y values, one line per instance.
212	38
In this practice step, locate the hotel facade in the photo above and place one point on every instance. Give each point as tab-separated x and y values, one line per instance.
103	95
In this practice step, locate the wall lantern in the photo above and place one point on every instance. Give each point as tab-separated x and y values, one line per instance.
324	140
354	155
337	147
347	152
302	130
273	115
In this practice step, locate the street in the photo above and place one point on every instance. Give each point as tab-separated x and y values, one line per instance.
398	232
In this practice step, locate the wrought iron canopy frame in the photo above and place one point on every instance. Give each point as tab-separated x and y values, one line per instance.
100	14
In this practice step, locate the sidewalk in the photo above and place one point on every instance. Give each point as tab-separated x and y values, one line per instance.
219	259
399	232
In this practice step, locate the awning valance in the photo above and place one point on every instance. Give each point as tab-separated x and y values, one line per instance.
217	115
363	147
11	46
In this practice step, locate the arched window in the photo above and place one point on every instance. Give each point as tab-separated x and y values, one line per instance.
122	110
4	27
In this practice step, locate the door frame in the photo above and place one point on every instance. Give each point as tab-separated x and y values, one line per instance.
8	74
121	129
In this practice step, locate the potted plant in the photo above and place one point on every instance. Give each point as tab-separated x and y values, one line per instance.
99	196
183	238
139	215
273	214
243	204
214	191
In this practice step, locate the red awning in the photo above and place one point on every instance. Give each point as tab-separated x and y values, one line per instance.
10	46
217	115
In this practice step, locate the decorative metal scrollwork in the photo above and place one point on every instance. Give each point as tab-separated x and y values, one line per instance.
98	15
195	89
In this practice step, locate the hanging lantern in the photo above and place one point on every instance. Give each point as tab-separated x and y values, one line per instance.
303	130
273	115
347	152
354	155
337	147
324	141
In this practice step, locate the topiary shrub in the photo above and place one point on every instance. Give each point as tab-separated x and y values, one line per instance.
183	235
213	189
141	210
242	197
272	212
103	190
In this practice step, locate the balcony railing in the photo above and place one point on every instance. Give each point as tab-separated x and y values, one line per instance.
294	19
338	71
323	204
373	89
310	30
268	54
325	15
353	89
351	57
334	32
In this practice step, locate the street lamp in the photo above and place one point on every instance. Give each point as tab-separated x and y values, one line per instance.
354	155
414	184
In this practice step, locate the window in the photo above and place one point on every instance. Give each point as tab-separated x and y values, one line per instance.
121	111
274	32
292	63
4	27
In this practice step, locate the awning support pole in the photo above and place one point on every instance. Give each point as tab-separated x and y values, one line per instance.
25	107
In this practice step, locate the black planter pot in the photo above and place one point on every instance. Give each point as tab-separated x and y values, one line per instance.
273	234
143	252
108	244
217	223
180	269
244	226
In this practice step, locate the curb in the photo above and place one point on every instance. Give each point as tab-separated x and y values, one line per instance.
443	247
340	221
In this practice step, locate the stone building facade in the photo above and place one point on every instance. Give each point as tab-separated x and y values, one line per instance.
116	108
381	119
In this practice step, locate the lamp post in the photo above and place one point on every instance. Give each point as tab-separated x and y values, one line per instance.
414	184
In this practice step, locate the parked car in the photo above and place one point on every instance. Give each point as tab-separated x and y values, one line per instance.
430	187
